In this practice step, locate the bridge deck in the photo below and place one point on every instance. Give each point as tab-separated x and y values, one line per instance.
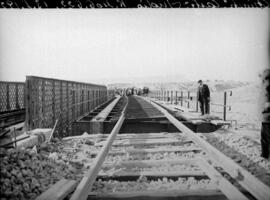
139	108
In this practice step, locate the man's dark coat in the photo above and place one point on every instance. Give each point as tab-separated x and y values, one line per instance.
203	93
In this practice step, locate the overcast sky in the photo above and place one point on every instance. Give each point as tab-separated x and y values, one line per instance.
113	45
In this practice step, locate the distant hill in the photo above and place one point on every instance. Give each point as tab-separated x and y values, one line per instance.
192	86
148	79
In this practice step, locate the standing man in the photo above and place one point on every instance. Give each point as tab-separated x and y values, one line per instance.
265	112
203	97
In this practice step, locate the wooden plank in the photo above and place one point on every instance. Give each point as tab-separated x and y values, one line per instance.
59	190
219	122
148	135
51	135
124	173
146	142
92	136
141	151
155	193
135	136
195	118
230	191
87	181
126	136
47	194
246	179
151	139
159	150
149	163
65	190
143	119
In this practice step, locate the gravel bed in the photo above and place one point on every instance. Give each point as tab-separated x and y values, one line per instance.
77	152
245	146
142	184
158	146
243	151
152	156
161	168
26	174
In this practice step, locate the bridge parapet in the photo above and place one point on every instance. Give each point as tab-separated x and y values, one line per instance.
49	100
11	96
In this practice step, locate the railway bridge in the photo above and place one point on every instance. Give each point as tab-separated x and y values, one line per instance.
135	147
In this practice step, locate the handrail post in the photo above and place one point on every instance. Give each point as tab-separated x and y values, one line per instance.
225	104
164	95
197	103
171	97
181	98
188	96
176	97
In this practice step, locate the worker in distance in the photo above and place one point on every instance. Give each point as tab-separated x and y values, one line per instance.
203	97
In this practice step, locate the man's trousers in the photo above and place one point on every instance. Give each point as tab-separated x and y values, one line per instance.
204	105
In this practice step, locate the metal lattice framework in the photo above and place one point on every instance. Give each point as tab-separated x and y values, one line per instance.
11	96
50	99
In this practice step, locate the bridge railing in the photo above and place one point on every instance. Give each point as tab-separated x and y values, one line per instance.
11	96
189	100
183	98
49	100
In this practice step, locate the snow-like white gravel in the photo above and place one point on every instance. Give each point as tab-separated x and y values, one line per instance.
243	150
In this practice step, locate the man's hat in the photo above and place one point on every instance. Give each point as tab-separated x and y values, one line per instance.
199	81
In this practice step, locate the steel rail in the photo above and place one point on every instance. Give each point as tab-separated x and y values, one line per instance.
258	189
85	185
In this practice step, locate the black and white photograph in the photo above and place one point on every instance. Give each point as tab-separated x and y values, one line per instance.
134	103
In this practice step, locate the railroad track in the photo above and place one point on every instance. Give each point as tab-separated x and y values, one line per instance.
178	165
